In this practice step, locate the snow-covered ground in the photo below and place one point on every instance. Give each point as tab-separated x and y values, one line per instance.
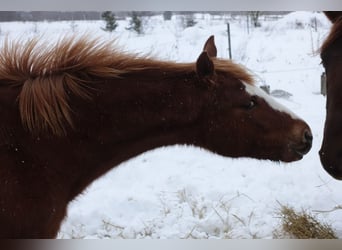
186	192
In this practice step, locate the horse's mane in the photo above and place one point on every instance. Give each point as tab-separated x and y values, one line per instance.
335	33
46	72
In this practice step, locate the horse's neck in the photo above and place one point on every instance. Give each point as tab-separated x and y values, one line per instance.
156	112
162	107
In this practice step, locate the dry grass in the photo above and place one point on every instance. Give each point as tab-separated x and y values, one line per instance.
302	225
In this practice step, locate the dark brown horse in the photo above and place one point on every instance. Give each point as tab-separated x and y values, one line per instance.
331	54
72	111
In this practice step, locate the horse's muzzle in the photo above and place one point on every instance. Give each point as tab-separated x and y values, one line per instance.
304	146
301	147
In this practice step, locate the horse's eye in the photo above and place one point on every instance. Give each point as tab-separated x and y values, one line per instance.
251	104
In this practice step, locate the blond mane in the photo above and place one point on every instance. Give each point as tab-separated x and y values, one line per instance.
47	71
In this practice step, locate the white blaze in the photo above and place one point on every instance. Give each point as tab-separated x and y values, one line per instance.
254	90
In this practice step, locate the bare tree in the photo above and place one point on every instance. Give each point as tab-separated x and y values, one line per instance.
255	18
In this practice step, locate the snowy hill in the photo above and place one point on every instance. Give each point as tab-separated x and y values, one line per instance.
186	192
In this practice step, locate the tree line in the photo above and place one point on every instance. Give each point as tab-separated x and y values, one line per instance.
7	16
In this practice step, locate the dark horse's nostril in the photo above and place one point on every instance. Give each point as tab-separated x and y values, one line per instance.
307	136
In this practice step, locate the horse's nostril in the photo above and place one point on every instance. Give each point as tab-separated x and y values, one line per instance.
307	136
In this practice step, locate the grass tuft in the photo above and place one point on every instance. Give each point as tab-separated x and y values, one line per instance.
302	225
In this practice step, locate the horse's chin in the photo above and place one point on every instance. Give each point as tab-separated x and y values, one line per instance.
292	155
297	155
336	174
296	152
337	177
293	158
331	164
287	157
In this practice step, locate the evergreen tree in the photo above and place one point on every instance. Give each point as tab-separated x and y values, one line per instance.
110	20
135	23
190	21
167	15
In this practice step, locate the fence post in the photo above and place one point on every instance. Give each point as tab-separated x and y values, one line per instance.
324	84
247	23
229	43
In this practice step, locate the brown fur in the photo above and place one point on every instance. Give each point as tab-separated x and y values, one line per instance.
334	34
331	54
46	73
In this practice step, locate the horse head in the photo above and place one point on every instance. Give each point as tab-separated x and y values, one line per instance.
331	55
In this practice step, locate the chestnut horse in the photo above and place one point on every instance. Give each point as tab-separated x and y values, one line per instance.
331	54
72	111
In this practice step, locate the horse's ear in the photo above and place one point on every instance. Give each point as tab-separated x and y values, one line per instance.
204	65
333	15
210	47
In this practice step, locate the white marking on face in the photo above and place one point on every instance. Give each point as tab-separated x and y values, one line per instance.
254	90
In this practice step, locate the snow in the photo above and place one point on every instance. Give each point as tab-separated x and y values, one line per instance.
186	192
